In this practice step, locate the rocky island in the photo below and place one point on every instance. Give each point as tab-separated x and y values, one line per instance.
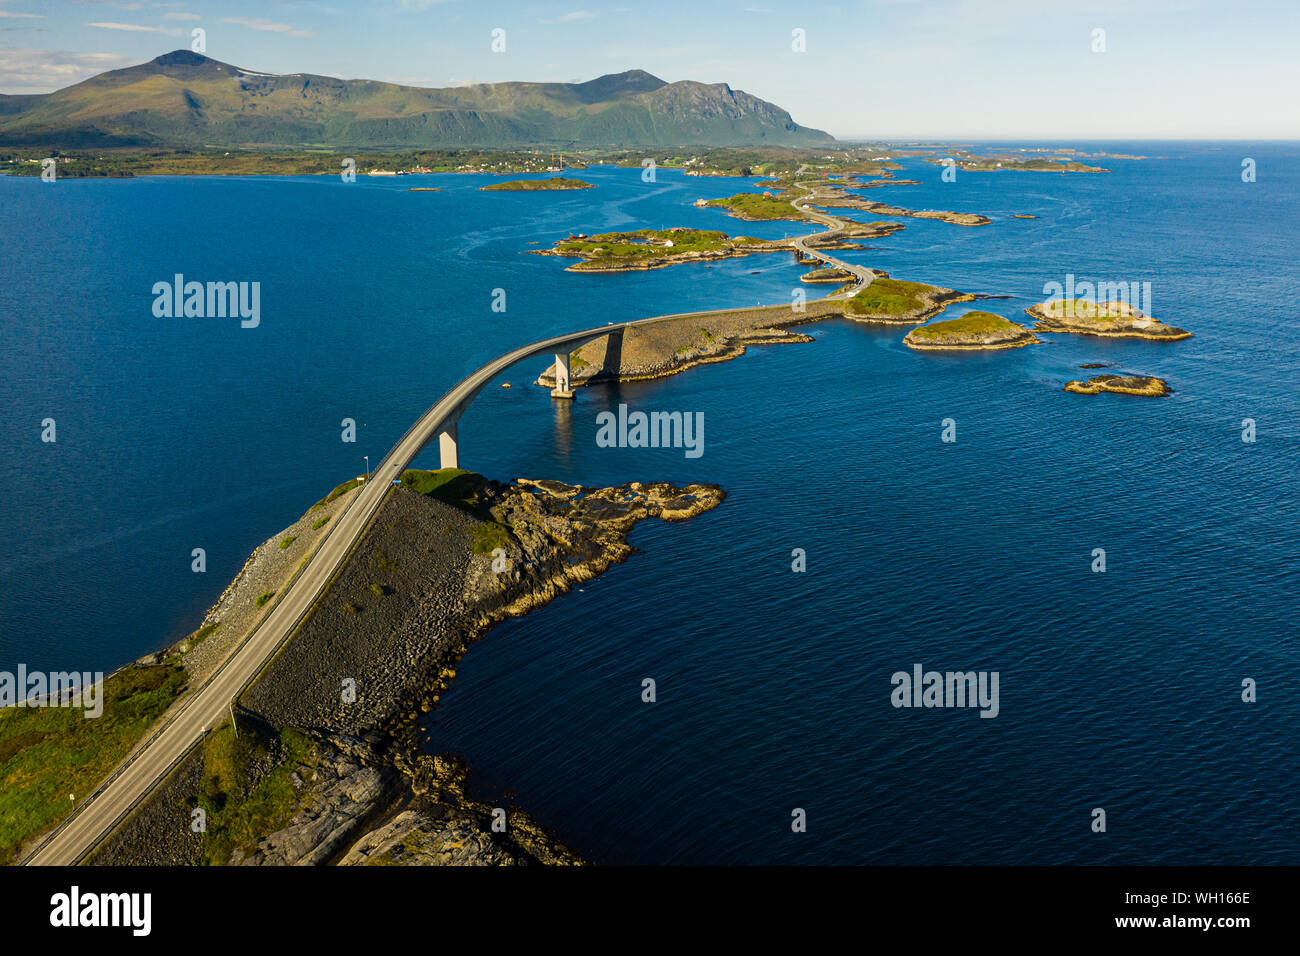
1145	385
759	207
972	331
1005	163
815	276
836	198
650	249
646	249
756	207
889	301
1108	319
557	183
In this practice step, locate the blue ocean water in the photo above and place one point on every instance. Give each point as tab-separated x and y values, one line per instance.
1118	690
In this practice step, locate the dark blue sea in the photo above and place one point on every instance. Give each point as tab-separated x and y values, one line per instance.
1118	690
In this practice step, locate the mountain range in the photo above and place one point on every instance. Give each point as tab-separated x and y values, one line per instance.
184	100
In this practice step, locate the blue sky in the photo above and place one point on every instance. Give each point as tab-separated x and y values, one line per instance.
881	69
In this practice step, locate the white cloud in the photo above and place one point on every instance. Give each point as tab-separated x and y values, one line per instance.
129	27
181	16
21	16
40	71
572	17
267	26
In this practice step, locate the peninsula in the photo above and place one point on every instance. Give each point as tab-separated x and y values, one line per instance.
313	777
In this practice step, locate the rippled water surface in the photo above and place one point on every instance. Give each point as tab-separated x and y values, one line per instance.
1118	690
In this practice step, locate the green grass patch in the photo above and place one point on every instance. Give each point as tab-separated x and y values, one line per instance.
758	206
264	597
1081	309
47	753
238	816
538	185
454	486
464	490
975	323
889	297
342	489
646	243
320	522
202	633
286	541
489	536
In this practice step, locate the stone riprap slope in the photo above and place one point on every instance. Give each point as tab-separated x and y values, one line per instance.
420	585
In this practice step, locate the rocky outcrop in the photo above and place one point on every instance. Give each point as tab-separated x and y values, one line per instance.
355	806
563	535
1145	385
974	331
833	197
346	787
444	825
1106	319
839	276
888	301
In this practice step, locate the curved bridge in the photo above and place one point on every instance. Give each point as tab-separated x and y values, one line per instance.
153	759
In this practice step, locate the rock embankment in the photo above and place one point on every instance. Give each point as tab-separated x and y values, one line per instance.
421	584
651	351
833	197
426	578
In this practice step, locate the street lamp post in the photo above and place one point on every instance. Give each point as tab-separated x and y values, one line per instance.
367	457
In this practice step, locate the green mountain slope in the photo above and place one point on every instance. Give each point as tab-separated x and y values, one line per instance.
185	100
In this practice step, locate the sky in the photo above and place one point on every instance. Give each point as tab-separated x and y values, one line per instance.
869	69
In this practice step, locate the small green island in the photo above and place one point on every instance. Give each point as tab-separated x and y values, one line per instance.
557	183
1108	319
889	301
1005	163
759	207
827	275
651	248
1145	385
972	331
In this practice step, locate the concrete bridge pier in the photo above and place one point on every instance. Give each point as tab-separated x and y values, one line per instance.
448	450
562	388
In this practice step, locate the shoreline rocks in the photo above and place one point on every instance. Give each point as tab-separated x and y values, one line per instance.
427	578
1104	319
1145	385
